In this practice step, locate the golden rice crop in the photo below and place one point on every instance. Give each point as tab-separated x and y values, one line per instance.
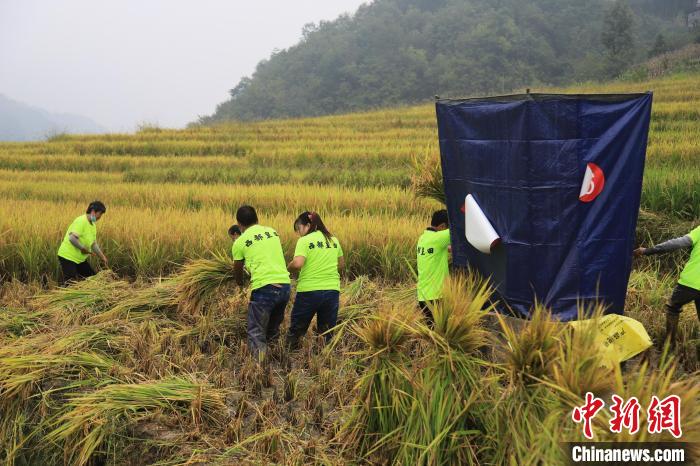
151	242
354	169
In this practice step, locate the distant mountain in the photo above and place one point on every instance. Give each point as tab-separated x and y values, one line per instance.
22	122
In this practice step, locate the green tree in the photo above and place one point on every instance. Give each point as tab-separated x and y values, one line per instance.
618	37
406	51
659	46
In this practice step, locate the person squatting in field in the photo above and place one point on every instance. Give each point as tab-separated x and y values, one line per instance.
79	243
317	258
688	287
433	263
260	250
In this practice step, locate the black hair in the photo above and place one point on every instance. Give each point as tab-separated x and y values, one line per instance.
313	219
246	216
440	217
97	206
234	230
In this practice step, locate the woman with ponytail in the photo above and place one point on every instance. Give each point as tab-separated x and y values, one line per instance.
317	257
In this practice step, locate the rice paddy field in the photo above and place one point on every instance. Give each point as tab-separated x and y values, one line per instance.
146	363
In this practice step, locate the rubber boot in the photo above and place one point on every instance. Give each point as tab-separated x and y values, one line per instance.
671	329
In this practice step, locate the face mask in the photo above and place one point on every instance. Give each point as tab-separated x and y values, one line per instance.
93	218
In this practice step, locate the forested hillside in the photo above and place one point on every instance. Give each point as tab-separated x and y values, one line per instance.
405	51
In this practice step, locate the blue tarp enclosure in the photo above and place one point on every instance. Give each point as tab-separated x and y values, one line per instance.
559	178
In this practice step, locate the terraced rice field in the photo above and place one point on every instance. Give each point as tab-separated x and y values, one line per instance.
148	364
171	194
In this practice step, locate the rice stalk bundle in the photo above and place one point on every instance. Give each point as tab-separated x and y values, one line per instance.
200	279
426	179
22	374
357	301
523	405
459	314
521	433
38	371
533	349
444	423
81	300
98	417
440	424
348	317
157	300
15	322
356	291
64	341
209	328
388	331
523	415
383	390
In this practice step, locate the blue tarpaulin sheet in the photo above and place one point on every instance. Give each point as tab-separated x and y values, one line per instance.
559	178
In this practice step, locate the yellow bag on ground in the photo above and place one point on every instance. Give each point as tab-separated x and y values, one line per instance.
618	337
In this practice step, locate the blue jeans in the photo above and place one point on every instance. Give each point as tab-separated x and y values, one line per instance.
323	304
265	314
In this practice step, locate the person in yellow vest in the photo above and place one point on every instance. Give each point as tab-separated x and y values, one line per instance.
432	254
318	258
79	243
688	287
260	250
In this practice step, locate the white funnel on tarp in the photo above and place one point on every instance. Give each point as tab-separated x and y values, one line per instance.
477	228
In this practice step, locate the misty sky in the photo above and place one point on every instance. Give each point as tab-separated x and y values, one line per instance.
125	62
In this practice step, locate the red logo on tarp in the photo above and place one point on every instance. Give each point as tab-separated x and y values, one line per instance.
593	183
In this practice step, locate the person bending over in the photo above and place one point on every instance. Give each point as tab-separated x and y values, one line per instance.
260	249
79	243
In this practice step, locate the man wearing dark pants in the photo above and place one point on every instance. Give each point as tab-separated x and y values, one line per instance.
265	315
260	249
688	288
79	243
